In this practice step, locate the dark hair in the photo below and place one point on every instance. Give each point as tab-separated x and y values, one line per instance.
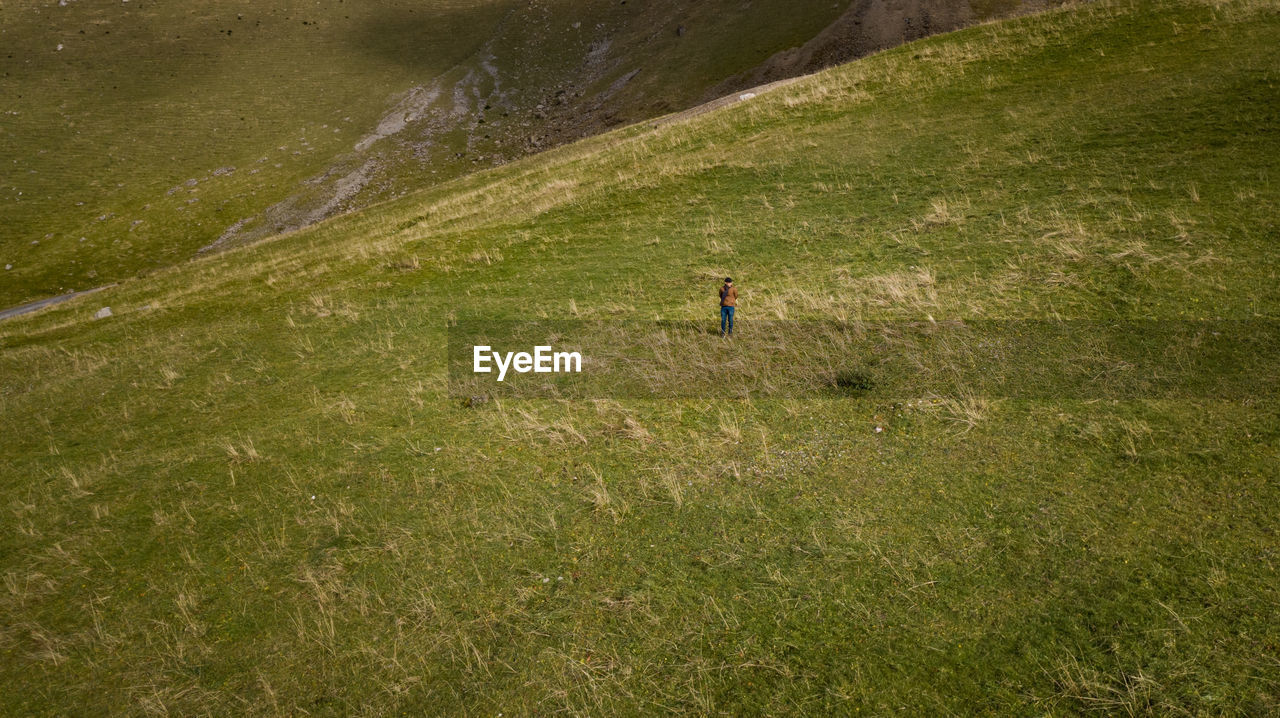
727	280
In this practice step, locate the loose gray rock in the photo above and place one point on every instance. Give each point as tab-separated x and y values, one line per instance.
102	313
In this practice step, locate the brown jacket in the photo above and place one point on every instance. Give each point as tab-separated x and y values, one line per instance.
728	296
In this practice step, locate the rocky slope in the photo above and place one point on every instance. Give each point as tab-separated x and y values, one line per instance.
552	75
135	134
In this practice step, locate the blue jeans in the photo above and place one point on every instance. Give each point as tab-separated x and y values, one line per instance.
726	317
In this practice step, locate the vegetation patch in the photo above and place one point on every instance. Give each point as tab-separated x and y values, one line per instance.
248	490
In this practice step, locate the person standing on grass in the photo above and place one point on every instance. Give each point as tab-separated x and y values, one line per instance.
728	302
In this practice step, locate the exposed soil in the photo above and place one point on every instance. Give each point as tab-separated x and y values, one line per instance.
48	302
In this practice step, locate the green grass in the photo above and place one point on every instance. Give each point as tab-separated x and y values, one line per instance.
163	551
143	97
135	134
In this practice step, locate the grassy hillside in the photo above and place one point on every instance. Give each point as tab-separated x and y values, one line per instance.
136	134
150	129
247	491
147	128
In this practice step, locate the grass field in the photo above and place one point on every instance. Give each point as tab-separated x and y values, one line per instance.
248	492
135	134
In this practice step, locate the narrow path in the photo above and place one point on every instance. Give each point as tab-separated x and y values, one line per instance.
725	101
50	301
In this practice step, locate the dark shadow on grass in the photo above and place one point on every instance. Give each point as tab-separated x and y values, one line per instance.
430	37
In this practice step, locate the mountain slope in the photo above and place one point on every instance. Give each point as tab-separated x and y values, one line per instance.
139	133
249	492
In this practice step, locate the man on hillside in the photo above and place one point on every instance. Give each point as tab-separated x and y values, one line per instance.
728	302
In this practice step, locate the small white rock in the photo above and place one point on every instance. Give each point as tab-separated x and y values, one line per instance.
102	313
